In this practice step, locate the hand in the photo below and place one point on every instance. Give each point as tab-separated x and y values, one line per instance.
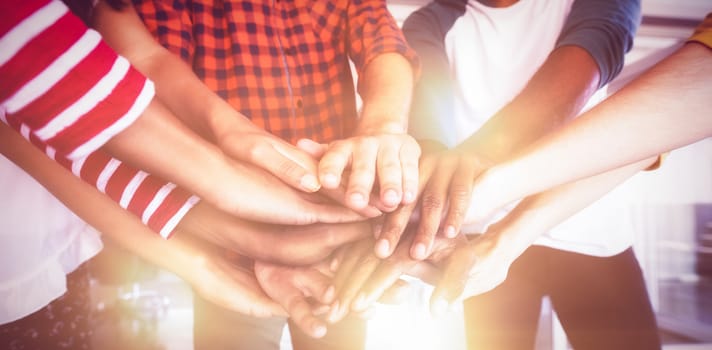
446	185
221	281
288	245
389	157
494	190
302	291
253	194
362	278
256	146
471	269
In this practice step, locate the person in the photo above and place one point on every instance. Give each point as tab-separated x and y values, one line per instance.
103	108
36	312
38	254
153	202
634	123
515	91
286	67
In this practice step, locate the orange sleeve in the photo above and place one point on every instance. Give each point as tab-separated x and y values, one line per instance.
703	33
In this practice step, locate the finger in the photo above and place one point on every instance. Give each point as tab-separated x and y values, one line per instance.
380	280
354	269
333	163
347	263
339	195
363	173
337	258
330	214
432	204
409	157
454	280
392	229
284	161
388	271
390	175
254	304
315	284
300	311
396	293
299	162
314	149
360	275
459	197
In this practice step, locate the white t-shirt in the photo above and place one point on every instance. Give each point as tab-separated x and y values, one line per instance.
492	57
41	241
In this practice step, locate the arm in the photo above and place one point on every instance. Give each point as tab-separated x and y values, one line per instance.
555	94
71	106
288	245
213	277
197	106
483	263
665	108
379	148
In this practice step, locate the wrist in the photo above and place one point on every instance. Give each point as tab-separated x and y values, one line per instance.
498	184
381	127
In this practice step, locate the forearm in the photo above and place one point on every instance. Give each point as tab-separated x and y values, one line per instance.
665	108
386	87
177	86
278	244
555	94
159	144
92	206
540	213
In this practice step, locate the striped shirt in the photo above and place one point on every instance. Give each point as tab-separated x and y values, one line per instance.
68	93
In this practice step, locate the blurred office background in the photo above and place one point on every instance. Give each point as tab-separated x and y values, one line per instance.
141	307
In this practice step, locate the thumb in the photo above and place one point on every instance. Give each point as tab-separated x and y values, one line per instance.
453	282
315	149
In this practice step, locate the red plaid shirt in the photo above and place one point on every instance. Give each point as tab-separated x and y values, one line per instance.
284	64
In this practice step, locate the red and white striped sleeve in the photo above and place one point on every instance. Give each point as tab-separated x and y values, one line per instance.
60	81
68	93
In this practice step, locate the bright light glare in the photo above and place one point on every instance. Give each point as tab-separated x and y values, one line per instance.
410	325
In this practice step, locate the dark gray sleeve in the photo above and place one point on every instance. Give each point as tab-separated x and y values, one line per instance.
604	28
431	115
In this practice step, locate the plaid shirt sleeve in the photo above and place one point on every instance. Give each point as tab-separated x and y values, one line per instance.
373	31
170	23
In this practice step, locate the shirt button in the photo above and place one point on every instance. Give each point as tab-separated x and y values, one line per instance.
291	51
299	103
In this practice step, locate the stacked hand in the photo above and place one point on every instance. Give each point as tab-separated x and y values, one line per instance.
446	178
317	270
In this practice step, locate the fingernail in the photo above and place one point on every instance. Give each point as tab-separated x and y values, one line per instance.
383	248
408	197
358	200
329	295
318	331
334	265
390	197
439	307
419	251
330	180
371	212
450	232
334	312
359	303
309	182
